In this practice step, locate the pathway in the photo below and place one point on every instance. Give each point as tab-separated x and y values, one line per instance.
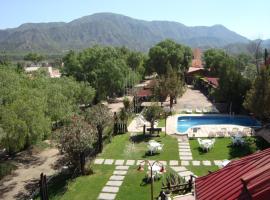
111	189
182	171
28	172
184	150
102	161
192	99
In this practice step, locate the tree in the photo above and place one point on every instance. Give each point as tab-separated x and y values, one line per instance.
99	116
258	97
232	85
109	70
213	59
75	139
31	107
34	57
152	113
169	52
265	56
171	84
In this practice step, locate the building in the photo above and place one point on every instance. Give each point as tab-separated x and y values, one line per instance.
196	68
243	179
53	73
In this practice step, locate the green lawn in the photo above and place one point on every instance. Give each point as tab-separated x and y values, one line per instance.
161	123
223	149
133	187
202	170
84	187
135	147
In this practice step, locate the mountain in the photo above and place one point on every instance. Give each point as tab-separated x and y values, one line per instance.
111	29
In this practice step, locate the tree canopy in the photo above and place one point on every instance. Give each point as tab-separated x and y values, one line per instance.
75	139
31	105
258	97
99	116
109	70
168	53
34	57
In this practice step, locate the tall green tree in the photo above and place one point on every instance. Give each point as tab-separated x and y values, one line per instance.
34	57
109	70
214	59
171	84
258	97
75	139
232	85
169	52
100	117
152	113
31	106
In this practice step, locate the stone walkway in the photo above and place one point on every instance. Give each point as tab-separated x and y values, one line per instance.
100	161
182	171
184	150
109	191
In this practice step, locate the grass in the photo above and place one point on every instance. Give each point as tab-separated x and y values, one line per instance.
133	187
202	170
6	168
135	147
83	187
161	123
223	149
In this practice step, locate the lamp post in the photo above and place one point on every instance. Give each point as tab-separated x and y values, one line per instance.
166	114
162	170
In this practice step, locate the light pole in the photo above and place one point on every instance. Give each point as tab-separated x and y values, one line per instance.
166	114
151	165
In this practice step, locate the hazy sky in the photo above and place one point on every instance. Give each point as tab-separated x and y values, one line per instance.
250	18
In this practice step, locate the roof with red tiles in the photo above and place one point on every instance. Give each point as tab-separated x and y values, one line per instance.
243	179
212	81
196	63
144	93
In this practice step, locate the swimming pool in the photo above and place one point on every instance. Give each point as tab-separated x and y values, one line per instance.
186	122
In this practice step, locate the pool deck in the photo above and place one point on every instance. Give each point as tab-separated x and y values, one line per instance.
203	130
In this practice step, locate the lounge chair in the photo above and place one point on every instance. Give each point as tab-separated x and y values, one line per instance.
211	134
205	110
198	110
246	131
188	110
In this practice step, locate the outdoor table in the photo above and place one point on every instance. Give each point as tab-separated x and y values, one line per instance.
154	146
206	143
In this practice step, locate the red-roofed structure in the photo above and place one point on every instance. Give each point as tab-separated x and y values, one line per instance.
212	81
244	179
144	93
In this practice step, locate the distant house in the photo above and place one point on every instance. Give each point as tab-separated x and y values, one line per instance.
53	73
196	68
247	178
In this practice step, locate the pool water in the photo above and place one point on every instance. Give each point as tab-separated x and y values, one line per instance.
186	122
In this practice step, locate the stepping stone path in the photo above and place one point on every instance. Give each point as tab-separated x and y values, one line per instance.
185	160
109	192
184	150
183	172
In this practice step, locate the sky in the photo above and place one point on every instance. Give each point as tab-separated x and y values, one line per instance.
249	18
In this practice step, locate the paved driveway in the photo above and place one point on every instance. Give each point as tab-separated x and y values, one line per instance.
192	99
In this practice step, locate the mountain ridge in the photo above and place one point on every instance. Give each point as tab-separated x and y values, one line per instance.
112	29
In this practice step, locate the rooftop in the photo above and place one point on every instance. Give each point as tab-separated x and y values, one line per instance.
246	178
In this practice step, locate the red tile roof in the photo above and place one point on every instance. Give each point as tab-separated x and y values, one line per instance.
213	81
196	63
194	69
144	93
243	179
